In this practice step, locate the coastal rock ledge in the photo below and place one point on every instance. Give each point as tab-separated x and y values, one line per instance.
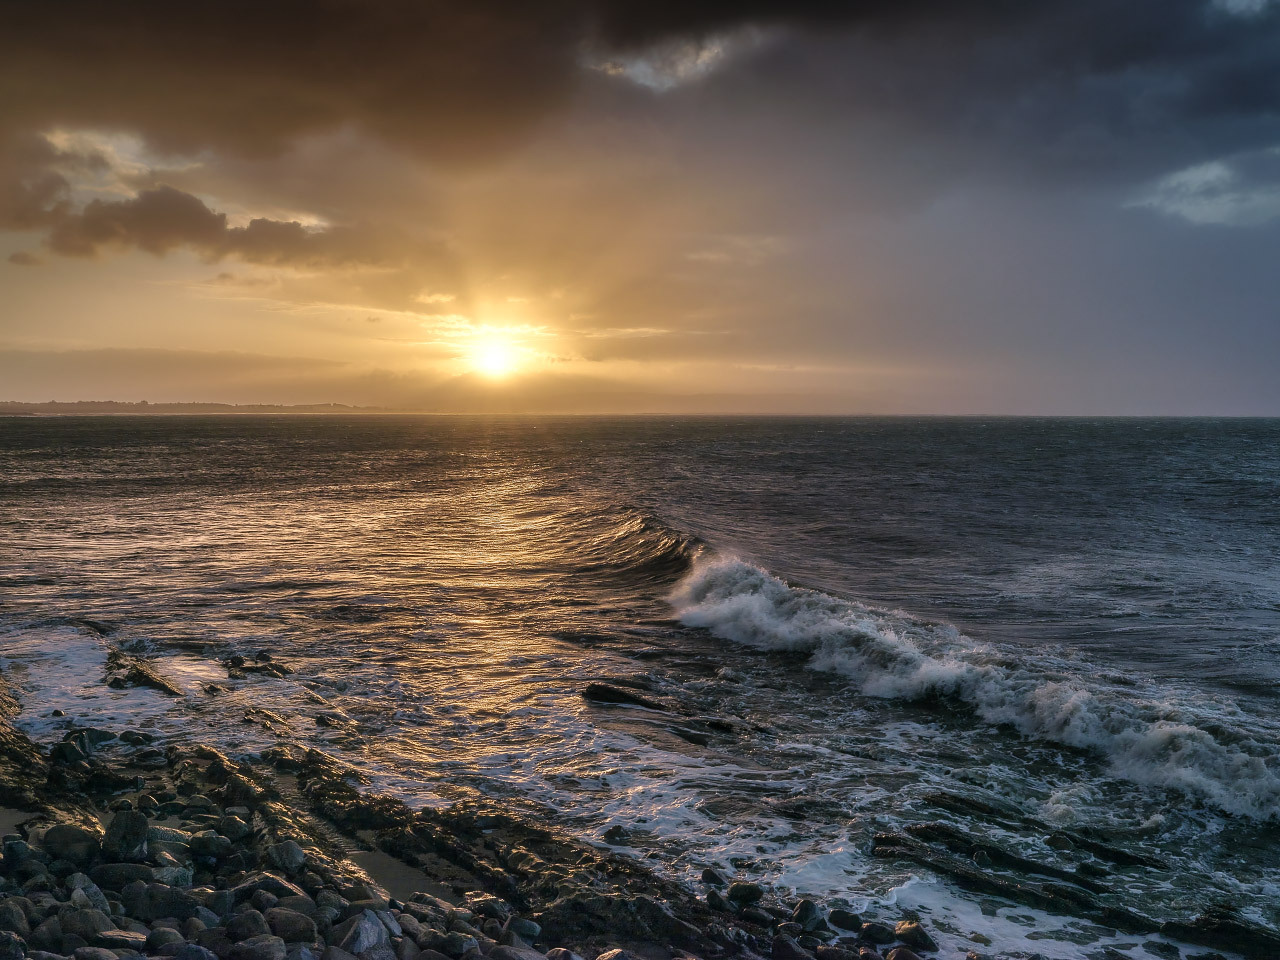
119	849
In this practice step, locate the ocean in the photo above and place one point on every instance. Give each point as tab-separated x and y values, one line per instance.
1027	629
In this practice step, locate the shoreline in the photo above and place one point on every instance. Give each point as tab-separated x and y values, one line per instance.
481	881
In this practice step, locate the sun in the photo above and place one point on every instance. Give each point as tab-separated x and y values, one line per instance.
494	358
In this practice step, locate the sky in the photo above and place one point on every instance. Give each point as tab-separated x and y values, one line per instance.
585	206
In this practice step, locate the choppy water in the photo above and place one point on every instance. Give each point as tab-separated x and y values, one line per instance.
1075	619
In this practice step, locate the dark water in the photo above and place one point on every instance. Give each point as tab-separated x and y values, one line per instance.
1076	618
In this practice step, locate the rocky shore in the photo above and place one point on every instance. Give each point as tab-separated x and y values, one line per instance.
117	848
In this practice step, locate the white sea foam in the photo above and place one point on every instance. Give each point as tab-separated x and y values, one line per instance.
1146	740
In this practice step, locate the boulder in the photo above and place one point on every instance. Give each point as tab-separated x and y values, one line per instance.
259	948
68	841
361	933
246	925
784	948
741	892
291	926
126	837
914	935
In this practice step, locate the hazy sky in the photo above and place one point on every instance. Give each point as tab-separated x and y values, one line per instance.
1009	206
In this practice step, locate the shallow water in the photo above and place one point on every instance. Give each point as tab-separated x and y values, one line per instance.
1074	620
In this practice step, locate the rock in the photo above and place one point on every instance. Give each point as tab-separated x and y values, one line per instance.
826	952
714	878
121	940
13	947
287	856
14	920
117	876
259	948
86	924
1222	928
718	901
866	953
84	888
335	953
156	901
901	953
233	828
877	933
604	693
160	936
515	953
560	953
269	882
291	926
618	955
742	893
456	944
914	935
523	928
757	915
67	841
93	953
784	948
807	915
303	951
210	844
126	837
361	933
193	951
247	925
844	919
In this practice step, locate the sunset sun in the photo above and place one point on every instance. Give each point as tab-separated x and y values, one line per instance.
493	358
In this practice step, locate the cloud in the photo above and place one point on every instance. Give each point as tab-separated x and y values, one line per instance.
164	219
1238	191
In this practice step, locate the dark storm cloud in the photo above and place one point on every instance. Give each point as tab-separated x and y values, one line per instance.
456	80
164	219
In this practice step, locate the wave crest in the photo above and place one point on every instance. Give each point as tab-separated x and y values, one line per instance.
1147	741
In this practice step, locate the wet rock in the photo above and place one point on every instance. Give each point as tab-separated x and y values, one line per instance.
742	892
877	933
560	953
126	837
618	955
718	901
845	919
901	953
714	878
1223	928
828	952
67	841
291	926
259	948
914	935
1166	950
604	693
93	953
335	953
758	915
247	925
784	948
807	915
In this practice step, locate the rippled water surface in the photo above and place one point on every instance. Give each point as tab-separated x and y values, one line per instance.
1074	621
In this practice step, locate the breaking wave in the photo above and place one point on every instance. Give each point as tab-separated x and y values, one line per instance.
1152	740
